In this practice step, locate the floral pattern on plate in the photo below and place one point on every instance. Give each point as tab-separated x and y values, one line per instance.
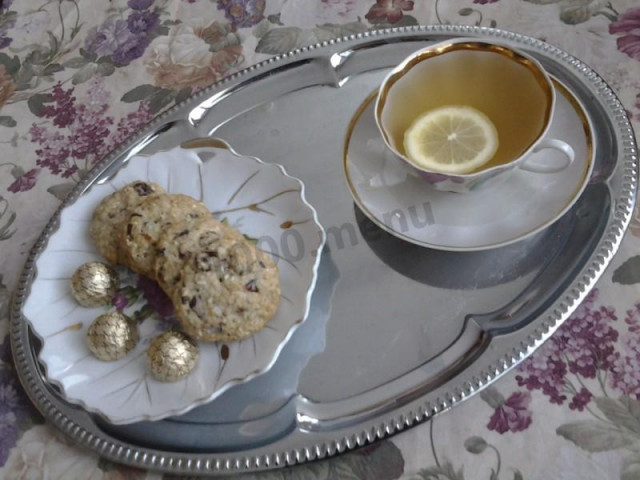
259	199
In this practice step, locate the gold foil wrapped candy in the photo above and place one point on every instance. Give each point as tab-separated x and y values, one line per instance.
94	284
112	335
172	355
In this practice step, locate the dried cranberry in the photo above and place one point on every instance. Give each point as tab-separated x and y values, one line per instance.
143	189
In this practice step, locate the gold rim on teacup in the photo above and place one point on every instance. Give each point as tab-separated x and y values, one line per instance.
482	176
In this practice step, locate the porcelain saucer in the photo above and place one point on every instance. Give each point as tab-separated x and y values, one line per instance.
389	193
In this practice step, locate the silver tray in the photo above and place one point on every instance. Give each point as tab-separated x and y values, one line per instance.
397	333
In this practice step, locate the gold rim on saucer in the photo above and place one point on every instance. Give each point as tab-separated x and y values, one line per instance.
587	128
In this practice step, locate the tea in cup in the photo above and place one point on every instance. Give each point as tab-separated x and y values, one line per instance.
464	111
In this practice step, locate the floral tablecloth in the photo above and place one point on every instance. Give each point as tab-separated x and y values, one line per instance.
77	78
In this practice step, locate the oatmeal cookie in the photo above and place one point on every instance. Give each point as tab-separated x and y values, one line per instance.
112	212
146	223
227	293
180	242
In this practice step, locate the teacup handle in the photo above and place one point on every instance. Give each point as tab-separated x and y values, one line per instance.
559	145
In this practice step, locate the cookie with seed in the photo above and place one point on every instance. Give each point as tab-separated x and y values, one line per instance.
112	212
149	220
228	293
179	242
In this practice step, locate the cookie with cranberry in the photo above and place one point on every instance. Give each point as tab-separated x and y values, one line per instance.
112	212
180	242
227	293
146	223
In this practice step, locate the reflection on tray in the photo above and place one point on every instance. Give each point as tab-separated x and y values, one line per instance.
463	270
259	410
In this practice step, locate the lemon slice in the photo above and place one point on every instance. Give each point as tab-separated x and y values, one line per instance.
452	139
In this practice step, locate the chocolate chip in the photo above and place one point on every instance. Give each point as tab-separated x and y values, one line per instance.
143	189
184	299
262	264
160	252
193	302
252	286
182	233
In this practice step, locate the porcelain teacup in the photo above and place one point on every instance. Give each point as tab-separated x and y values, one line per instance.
510	87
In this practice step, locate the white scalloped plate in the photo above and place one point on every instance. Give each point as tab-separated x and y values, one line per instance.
259	199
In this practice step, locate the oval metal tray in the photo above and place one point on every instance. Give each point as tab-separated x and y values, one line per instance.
396	333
